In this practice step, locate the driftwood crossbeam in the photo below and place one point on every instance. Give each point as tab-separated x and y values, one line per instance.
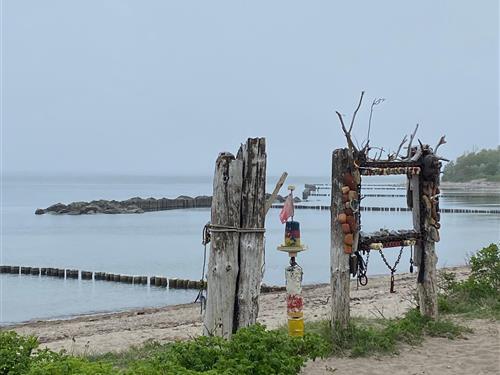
398	238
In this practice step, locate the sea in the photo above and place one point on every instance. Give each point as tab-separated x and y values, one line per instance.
168	243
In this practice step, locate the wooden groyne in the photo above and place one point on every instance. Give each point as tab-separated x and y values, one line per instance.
152	281
396	209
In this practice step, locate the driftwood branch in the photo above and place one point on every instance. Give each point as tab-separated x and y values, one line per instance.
380	155
395	156
346	133
275	192
356	111
412	136
374	103
442	141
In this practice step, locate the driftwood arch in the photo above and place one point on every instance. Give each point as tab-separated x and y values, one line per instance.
422	166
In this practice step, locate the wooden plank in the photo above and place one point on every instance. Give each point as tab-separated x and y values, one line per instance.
251	245
339	261
276	190
223	260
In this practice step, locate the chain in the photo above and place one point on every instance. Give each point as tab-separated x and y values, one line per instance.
205	240
362	269
411	259
393	268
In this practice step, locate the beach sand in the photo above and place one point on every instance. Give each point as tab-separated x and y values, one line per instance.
477	353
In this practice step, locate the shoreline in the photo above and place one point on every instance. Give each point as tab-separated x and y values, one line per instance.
118	331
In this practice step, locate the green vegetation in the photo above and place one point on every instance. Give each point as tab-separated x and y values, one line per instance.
257	351
484	164
382	336
479	294
251	351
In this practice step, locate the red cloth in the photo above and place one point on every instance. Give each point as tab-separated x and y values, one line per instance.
287	210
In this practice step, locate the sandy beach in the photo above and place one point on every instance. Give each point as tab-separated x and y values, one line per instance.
478	352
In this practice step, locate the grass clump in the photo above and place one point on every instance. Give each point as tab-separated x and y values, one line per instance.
479	295
364	337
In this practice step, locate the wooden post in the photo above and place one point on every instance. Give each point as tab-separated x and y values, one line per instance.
339	261
251	244
427	290
429	219
223	261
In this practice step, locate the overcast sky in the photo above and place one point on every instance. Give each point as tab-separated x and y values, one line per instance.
160	87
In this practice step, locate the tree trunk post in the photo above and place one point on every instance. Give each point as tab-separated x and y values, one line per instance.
251	244
223	261
429	228
339	259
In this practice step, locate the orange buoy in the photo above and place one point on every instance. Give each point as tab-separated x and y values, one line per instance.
342	218
349	239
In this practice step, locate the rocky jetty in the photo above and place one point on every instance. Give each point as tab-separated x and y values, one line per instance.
131	206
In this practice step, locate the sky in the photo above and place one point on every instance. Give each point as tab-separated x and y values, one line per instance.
160	87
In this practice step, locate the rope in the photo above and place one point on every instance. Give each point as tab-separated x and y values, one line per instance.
206	237
217	228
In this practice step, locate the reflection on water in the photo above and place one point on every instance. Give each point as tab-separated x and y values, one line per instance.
168	243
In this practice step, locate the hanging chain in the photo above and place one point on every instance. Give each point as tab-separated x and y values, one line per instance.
362	269
411	259
205	240
393	268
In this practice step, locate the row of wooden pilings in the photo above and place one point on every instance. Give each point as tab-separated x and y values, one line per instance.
397	209
62	273
156	281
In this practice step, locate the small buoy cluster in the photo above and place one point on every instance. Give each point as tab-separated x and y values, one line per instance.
347	219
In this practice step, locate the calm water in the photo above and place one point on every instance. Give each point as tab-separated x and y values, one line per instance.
168	242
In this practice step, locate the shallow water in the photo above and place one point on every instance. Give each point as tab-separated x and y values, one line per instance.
168	242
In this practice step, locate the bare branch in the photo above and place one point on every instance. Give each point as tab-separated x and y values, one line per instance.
395	156
412	136
356	111
374	103
346	133
442	141
380	155
421	144
356	140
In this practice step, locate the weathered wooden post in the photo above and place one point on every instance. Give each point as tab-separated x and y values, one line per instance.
251	245
342	164
223	261
429	223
